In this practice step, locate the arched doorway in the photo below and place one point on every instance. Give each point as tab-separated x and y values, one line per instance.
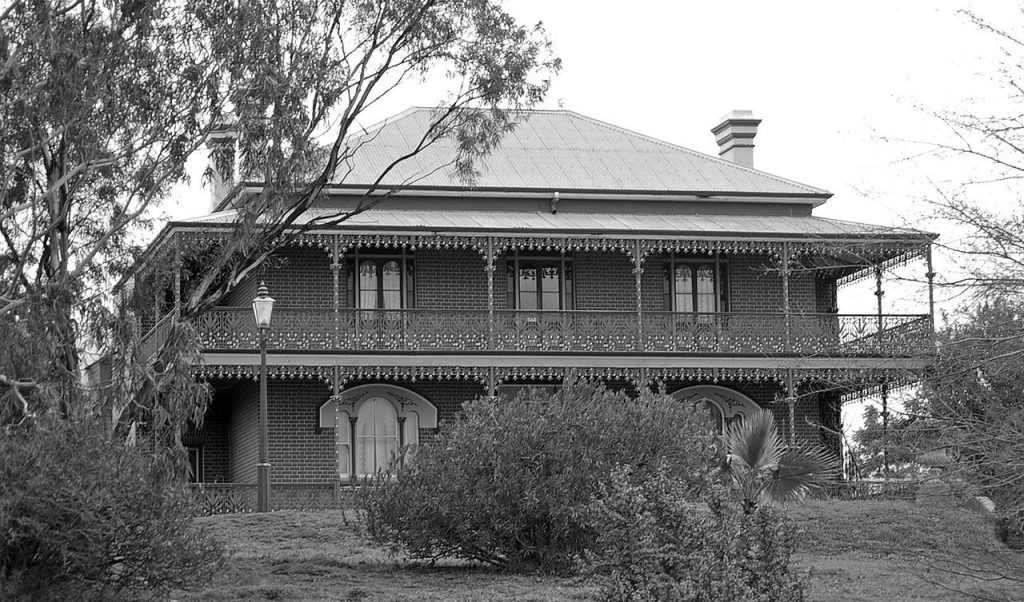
727	405
372	423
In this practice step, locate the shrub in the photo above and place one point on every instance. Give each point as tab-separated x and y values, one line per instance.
83	518
657	544
508	483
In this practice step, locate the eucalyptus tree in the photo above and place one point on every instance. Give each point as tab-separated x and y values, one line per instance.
103	102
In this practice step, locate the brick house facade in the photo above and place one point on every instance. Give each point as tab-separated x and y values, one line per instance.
582	249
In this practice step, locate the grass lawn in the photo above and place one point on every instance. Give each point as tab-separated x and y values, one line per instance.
852	550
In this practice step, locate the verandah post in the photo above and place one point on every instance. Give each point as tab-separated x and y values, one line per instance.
336	266
784	272
879	293
930	275
791	402
638	270
177	279
489	269
352	447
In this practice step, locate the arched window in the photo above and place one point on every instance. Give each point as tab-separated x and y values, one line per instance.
373	422
717	418
376	435
727	405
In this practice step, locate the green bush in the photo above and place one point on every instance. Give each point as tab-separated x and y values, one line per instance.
83	518
657	544
509	482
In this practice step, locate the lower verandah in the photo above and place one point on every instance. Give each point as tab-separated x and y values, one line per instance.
305	448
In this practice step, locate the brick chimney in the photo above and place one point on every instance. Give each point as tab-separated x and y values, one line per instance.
223	170
735	137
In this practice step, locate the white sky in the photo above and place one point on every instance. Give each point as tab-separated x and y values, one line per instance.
829	79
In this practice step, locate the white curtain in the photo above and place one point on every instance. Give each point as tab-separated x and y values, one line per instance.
376	435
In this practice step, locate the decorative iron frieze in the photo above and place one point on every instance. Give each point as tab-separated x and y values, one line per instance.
274	371
413	241
412	373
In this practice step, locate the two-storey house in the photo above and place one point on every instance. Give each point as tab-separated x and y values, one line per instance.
582	248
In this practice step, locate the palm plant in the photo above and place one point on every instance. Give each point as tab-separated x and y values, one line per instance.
764	468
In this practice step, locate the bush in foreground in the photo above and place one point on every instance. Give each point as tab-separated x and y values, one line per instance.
83	518
510	481
657	545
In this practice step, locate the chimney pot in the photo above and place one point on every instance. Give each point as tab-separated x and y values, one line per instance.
735	137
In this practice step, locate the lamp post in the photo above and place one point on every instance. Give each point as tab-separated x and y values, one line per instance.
262	307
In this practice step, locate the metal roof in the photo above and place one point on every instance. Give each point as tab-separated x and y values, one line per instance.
458	220
557	150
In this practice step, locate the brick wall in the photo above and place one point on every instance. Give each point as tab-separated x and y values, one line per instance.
451	279
604	281
295	277
213	439
300	451
824	292
652	284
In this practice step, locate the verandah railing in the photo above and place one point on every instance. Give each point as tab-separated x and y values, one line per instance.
822	334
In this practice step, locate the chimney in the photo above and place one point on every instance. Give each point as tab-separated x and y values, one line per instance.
223	170
735	137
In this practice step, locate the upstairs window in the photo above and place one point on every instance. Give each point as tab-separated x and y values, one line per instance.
540	284
381	281
695	286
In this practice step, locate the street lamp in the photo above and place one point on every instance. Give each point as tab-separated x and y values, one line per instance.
262	308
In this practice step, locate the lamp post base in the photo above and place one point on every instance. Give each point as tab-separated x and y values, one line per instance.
263	487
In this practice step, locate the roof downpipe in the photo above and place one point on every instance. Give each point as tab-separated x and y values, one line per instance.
735	137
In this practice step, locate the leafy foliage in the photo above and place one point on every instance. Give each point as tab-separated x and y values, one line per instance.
972	404
299	76
84	518
763	468
509	482
657	544
898	444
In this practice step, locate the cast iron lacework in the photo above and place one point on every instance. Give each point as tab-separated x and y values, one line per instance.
319	329
856	382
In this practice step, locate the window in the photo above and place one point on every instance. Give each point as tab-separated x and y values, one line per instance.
695	286
381	282
376	435
543	284
726	405
375	426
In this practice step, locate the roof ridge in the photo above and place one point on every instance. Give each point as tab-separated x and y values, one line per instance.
652	139
377	125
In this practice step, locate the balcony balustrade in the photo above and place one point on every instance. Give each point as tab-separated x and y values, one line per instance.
430	330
